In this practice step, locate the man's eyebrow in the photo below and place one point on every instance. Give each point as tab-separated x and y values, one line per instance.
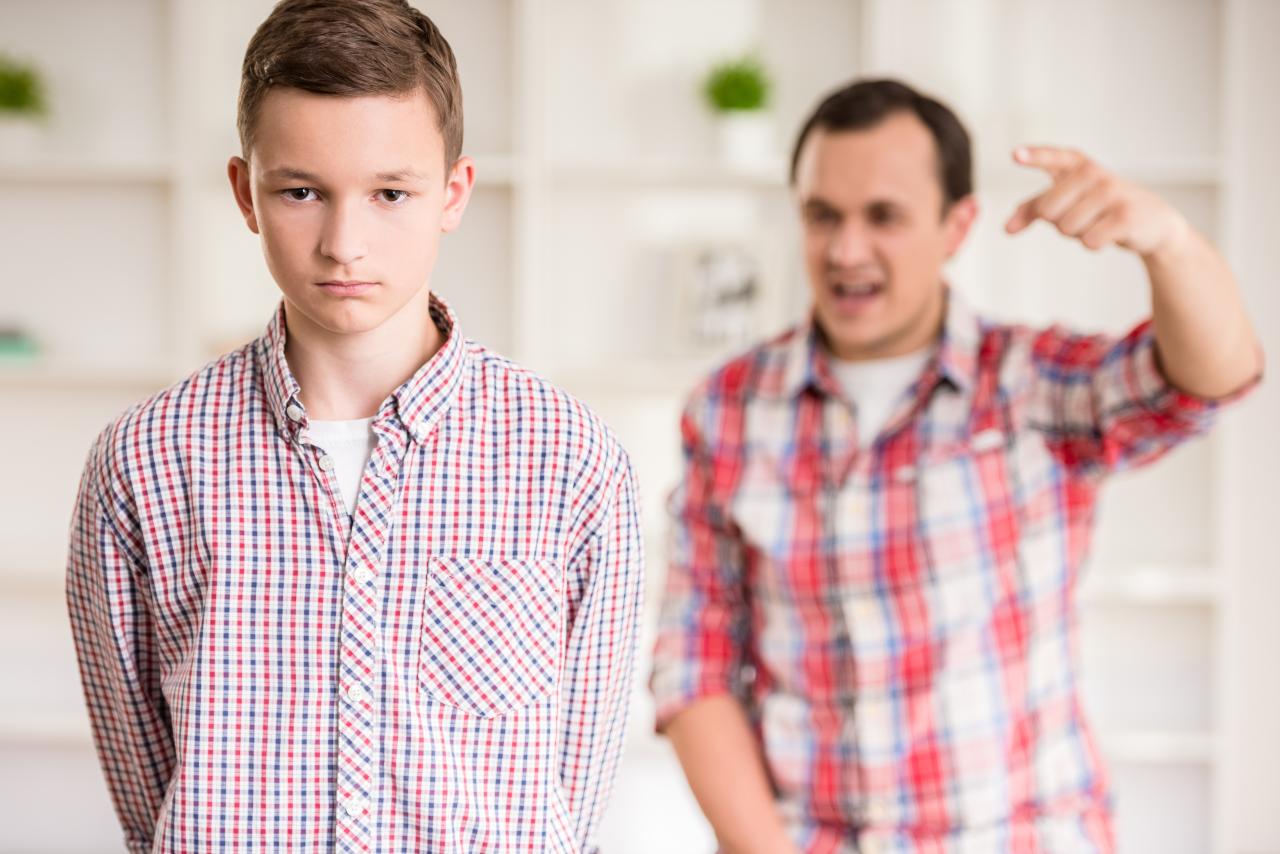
818	203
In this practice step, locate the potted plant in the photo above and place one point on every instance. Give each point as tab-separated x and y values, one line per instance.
738	93
22	108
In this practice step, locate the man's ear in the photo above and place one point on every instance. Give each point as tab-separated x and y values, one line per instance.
957	222
242	189
457	192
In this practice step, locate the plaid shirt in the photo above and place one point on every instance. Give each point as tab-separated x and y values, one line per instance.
448	670
900	621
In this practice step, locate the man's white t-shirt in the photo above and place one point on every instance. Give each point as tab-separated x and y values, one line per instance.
877	386
350	444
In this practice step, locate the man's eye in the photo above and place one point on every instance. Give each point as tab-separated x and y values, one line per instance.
883	216
297	194
393	196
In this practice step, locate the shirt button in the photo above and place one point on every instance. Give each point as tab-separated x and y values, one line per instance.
356	693
354	807
294	411
326	462
986	440
362	574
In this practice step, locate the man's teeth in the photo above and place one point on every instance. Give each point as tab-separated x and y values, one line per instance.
864	290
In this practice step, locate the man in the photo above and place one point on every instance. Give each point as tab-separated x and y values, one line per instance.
361	585
866	638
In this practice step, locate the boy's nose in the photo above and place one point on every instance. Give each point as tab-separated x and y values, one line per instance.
343	239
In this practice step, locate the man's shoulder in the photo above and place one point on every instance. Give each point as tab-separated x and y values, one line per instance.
759	370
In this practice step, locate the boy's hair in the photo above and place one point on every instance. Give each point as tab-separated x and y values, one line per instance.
865	103
351	47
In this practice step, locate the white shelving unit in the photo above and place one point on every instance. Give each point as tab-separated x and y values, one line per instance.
596	170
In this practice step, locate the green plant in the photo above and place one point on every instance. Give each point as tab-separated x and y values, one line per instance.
21	90
740	84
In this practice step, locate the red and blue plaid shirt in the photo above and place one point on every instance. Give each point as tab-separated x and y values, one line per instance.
447	670
899	619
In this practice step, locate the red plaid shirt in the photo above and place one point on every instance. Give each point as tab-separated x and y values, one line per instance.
899	620
448	670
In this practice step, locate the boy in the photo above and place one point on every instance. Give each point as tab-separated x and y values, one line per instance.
867	638
361	585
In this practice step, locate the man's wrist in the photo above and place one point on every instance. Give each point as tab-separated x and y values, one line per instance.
1179	244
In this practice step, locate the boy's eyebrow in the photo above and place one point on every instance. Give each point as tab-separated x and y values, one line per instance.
405	174
288	173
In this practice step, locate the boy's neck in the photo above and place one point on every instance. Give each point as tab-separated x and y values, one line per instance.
346	377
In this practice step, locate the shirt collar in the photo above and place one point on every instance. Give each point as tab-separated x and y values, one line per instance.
808	361
419	400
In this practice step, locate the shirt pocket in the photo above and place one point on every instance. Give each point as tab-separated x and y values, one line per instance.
490	634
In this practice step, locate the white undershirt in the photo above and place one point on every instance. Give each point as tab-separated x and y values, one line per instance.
876	386
350	444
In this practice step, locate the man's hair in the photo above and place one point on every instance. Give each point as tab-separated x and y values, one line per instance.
351	47
863	104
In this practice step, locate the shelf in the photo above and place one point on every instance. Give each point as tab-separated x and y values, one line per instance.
59	729
65	170
674	174
31	581
651	376
37	375
499	170
1150	586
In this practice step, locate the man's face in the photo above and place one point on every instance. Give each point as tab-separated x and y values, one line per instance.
875	236
349	190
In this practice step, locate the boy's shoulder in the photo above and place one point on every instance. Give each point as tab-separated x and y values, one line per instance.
526	400
160	425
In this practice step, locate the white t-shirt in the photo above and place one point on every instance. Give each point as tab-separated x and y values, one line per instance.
350	444
877	386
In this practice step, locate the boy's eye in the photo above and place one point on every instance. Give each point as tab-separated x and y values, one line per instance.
297	194
393	196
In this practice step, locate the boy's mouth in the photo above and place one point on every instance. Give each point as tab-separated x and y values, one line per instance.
347	289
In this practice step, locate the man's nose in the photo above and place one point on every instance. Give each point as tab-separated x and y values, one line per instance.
850	244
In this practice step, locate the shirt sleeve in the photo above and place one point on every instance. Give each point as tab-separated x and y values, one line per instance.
604	612
109	609
704	620
1105	403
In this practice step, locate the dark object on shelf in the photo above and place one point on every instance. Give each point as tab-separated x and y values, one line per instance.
16	344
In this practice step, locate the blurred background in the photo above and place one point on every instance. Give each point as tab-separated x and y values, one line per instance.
628	233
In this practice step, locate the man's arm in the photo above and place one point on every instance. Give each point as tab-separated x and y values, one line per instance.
702	632
112	629
1206	344
605	601
722	761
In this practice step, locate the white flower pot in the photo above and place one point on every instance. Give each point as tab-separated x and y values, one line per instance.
746	138
21	137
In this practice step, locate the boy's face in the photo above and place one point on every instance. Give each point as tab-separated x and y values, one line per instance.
350	196
875	236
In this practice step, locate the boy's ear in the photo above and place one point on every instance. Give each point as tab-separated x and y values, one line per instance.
457	191
242	189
